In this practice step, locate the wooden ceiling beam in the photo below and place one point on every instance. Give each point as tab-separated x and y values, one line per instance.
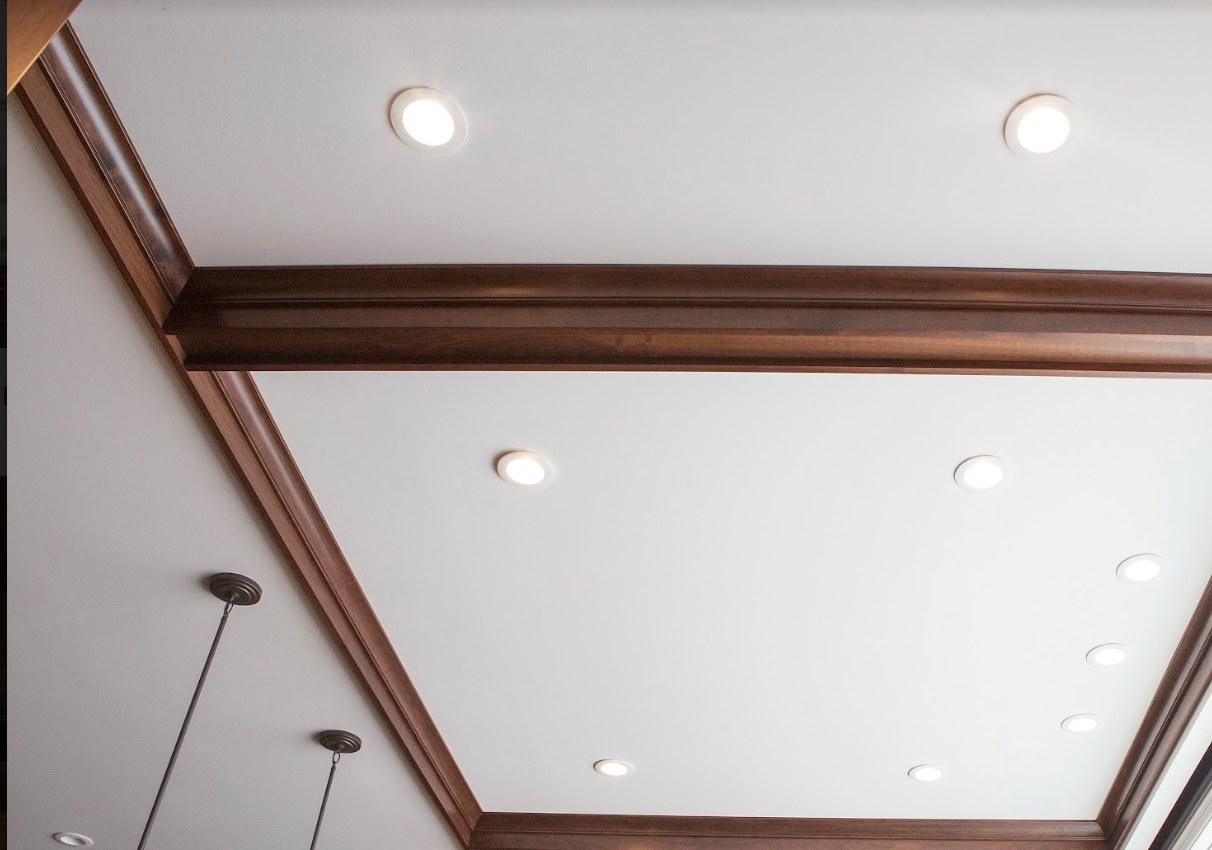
618	317
766	318
31	24
76	120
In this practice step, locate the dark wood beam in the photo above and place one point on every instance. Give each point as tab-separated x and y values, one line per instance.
515	831
31	24
1184	686
774	318
69	107
609	317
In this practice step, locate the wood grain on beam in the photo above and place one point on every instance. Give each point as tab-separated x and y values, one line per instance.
31	25
68	106
776	318
507	831
1184	686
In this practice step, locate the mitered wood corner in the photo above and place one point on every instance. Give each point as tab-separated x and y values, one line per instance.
30	25
78	124
620	317
1184	686
516	831
625	317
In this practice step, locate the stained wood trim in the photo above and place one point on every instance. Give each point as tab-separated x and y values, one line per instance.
610	317
695	317
65	99
69	108
30	25
515	831
1186	682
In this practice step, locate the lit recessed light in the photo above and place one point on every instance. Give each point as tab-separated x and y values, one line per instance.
980	473
927	772
523	468
1080	723
1107	655
1040	124
427	120
73	839
1140	568
613	767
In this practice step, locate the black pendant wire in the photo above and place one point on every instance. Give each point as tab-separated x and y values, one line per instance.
234	589
189	715
332	771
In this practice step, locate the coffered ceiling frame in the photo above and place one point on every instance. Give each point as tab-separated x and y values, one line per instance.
612	317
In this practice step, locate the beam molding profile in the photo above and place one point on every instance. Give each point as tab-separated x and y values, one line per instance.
501	831
68	106
768	318
30	25
632	317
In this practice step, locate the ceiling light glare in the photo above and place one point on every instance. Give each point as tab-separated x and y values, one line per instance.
525	469
73	839
1107	655
1140	568
980	473
1040	125
613	767
927	772
427	120
1080	723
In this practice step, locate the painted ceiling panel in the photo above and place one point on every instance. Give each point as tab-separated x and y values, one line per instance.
766	591
691	132
120	505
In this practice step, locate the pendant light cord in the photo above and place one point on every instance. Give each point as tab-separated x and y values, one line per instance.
332	771
189	715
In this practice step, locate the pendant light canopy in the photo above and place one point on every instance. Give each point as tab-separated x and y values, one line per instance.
338	742
233	589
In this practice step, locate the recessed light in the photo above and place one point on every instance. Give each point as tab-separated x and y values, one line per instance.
427	120
1040	124
1140	568
526	469
980	472
613	767
73	839
927	772
1107	655
1080	723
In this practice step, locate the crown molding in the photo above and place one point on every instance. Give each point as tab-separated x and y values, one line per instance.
770	318
609	317
502	831
68	106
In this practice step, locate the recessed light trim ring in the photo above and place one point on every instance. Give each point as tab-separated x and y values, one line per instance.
927	772
981	472
524	469
614	768
428	121
1140	568
1040	125
1080	723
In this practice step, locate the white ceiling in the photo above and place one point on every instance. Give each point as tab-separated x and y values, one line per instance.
762	131
765	590
119	505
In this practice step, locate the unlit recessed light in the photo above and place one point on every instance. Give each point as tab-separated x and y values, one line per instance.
1040	124
1080	723
526	469
1107	655
427	120
73	839
1140	568
613	767
980	472
927	772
